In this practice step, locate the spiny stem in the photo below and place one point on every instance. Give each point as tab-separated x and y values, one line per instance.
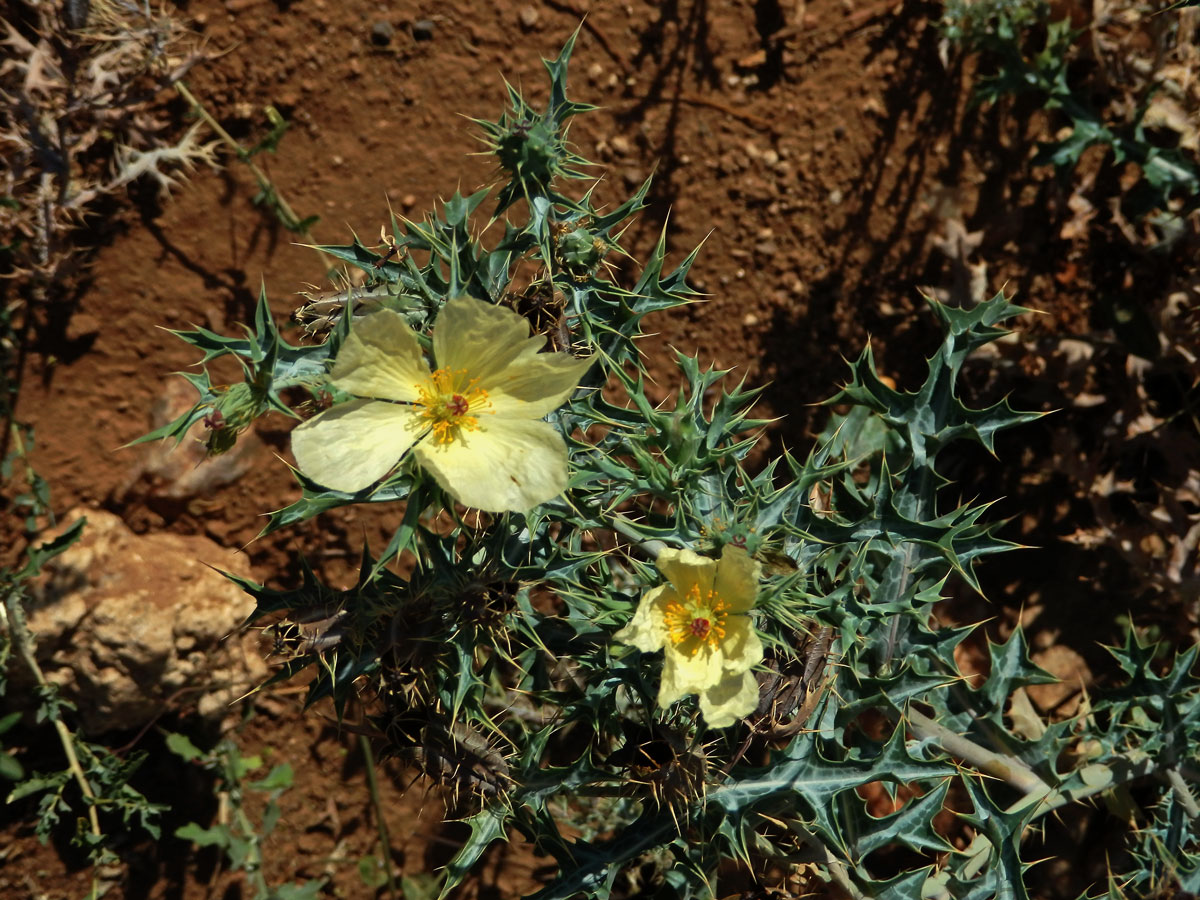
625	526
1183	793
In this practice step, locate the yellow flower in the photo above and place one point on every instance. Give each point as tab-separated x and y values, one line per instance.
473	422
699	619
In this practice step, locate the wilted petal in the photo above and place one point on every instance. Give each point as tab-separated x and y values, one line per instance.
482	338
737	578
646	630
506	465
381	359
353	445
731	699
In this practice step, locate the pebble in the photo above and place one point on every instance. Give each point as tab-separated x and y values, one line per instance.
382	33
529	17
422	30
620	145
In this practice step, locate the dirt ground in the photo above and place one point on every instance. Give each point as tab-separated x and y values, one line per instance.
831	165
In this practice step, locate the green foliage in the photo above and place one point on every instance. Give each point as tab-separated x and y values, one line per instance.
1036	56
241	839
493	668
10	768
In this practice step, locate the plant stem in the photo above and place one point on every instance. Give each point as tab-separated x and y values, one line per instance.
622	525
1183	793
1007	768
287	216
385	841
15	620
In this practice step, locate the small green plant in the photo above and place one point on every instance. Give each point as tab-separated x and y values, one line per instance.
563	530
236	834
268	195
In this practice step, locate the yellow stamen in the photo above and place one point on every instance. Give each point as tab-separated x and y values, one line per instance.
452	403
697	620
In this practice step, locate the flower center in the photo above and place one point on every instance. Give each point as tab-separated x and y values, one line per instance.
696	620
450	398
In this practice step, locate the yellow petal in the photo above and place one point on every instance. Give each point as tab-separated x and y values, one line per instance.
685	569
737	578
685	674
532	386
381	359
647	630
481	337
741	648
731	699
353	445
507	465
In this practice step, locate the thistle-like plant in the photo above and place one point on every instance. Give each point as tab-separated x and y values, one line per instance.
499	668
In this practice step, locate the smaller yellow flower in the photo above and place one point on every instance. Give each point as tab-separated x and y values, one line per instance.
474	422
698	618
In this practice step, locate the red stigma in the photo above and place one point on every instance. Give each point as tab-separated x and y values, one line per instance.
700	628
459	405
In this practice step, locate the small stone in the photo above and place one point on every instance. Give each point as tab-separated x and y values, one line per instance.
620	145
382	33
422	30
529	17
750	320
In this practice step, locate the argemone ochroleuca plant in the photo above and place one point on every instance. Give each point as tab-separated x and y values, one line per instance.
495	662
472	420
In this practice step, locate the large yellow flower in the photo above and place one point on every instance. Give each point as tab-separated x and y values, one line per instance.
473	422
699	620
